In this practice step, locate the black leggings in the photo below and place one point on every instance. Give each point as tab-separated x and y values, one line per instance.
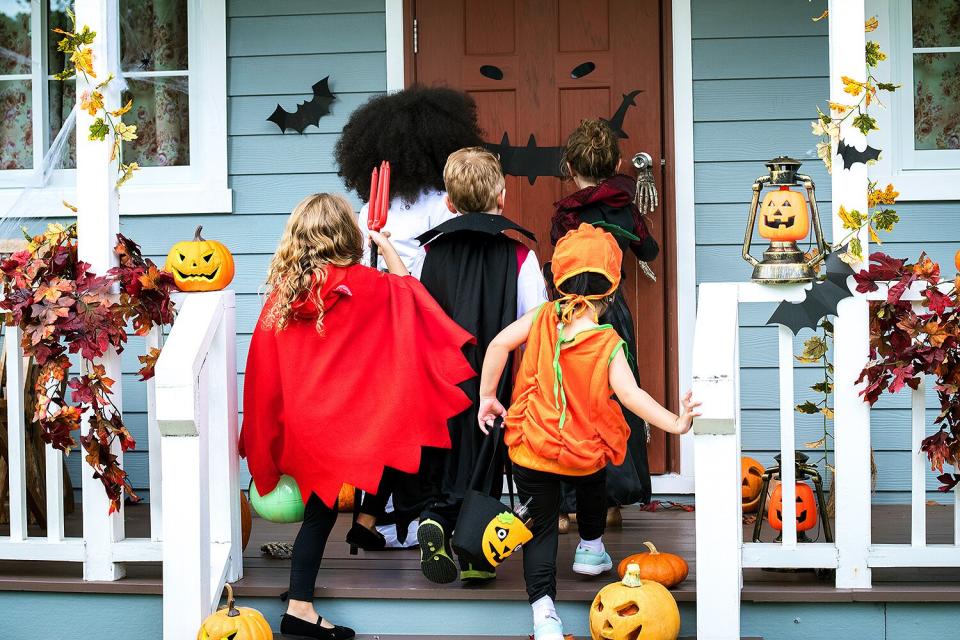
546	493
318	521
374	504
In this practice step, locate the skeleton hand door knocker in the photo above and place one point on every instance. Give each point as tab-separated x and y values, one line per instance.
646	197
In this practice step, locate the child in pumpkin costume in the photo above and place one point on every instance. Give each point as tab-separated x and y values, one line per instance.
341	358
563	425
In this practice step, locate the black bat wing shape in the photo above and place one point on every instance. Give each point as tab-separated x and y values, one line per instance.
308	112
616	120
530	161
851	155
821	300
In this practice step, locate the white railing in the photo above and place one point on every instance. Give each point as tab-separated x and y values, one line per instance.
721	552
194	490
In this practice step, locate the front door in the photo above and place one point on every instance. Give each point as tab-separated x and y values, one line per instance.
538	67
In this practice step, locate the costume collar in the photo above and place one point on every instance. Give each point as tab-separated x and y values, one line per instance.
489	223
617	191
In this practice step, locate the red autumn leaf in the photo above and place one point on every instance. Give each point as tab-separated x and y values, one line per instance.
936	301
900	377
149	362
937	449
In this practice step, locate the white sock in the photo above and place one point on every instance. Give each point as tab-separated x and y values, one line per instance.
543	609
594	546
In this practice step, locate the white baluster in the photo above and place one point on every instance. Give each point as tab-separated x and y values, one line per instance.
787	440
154	447
16	436
918	468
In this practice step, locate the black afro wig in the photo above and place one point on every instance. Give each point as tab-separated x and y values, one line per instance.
415	129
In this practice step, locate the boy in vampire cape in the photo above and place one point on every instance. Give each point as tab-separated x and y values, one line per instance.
484	280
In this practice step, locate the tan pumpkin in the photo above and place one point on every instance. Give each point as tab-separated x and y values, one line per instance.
751	481
345	499
246	521
667	569
200	265
783	216
235	623
634	609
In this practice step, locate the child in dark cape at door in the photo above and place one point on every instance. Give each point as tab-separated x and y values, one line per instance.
484	280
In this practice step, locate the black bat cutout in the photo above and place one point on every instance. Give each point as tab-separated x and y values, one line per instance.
821	300
851	155
308	112
532	161
616	120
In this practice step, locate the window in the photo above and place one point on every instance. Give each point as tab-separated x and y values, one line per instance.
175	77
920	130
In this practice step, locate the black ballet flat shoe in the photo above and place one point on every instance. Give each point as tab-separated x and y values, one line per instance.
300	628
360	536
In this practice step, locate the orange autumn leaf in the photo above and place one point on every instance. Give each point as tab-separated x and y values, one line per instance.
936	333
821	16
91	102
884	196
122	110
83	58
871	24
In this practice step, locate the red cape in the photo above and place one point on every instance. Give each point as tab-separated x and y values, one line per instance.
378	386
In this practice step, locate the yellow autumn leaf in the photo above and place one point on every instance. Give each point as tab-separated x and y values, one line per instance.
839	107
851	86
871	24
83	59
69	206
848	220
821	16
91	102
125	132
884	196
122	110
128	170
873	235
827	411
816	444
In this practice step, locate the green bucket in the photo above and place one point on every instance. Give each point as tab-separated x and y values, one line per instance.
283	504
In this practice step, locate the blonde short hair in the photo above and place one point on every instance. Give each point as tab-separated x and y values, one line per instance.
473	179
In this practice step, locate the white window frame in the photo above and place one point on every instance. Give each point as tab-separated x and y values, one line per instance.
916	174
202	186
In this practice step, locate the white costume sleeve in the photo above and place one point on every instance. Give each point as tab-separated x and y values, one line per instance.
531	289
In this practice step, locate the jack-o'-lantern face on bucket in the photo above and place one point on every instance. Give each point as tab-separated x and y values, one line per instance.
751	480
806	508
783	216
503	536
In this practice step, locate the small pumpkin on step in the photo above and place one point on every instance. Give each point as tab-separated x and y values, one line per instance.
235	623
667	569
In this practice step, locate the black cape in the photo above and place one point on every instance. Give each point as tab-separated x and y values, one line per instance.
471	270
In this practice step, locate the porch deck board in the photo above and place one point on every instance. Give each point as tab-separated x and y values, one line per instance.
396	575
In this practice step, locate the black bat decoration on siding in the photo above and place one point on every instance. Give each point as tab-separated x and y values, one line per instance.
851	155
308	112
532	162
821	300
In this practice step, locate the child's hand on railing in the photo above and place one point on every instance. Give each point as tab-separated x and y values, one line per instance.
490	409
685	420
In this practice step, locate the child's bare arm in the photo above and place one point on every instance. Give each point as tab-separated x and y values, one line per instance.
639	401
390	256
494	362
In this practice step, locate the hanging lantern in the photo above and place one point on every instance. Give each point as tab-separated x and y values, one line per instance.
785	218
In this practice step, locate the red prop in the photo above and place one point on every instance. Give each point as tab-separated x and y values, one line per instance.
379	203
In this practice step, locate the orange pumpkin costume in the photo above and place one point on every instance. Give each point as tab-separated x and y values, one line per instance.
563	418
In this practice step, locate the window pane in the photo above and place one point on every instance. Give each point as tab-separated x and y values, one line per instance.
162	115
16	126
936	23
936	91
14	36
153	35
57	19
62	96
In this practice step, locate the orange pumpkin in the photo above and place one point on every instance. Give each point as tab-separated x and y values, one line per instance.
235	623
806	508
634	609
783	216
751	481
246	521
956	260
667	569
345	499
200	265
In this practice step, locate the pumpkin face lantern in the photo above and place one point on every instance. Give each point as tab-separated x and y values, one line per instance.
235	623
634	609
751	480
200	265
783	216
806	508
504	536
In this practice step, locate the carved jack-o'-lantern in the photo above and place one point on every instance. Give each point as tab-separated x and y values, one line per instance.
806	508
200	265
634	609
235	623
751	480
503	536
783	216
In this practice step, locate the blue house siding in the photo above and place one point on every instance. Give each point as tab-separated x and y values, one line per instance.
756	84
276	52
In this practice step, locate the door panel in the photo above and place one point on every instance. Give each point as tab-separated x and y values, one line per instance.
535	46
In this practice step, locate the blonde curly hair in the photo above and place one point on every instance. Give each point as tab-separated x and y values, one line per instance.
321	231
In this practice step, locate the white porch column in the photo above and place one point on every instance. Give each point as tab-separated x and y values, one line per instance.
851	343
98	223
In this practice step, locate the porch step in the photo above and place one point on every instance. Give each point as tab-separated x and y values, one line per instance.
406	637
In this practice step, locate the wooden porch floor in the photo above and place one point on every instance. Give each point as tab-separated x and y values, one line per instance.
396	574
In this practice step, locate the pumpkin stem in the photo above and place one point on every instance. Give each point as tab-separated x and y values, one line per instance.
632	577
232	612
653	549
196	234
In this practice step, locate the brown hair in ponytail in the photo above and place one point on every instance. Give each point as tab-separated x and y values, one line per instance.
592	150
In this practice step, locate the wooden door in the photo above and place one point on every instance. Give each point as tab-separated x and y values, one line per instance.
538	67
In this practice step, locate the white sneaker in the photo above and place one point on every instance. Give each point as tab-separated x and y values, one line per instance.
591	563
549	628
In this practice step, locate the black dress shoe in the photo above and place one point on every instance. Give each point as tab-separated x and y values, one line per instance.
294	626
360	536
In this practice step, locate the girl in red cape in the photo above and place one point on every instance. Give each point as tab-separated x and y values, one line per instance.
351	371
